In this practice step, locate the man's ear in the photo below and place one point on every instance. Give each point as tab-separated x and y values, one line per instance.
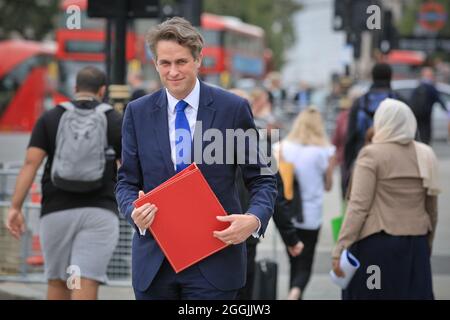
155	60
199	60
101	92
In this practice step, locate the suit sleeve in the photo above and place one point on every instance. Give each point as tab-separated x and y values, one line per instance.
258	177
129	180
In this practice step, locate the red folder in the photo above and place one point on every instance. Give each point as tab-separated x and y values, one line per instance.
186	218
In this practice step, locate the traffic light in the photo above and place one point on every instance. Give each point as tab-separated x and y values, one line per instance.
341	20
191	10
354	39
351	15
389	34
135	8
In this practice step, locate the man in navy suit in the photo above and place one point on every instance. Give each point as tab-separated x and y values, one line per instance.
157	143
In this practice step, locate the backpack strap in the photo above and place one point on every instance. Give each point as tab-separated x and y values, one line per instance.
103	107
68	105
365	105
365	102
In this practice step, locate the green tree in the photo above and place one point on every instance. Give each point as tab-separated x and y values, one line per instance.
275	17
31	19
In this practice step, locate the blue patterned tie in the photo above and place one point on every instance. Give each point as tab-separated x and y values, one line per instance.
183	138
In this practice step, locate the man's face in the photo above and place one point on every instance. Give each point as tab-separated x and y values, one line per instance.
176	67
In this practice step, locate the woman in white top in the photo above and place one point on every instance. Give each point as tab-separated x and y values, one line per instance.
308	149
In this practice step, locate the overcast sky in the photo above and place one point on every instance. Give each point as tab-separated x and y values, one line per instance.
319	50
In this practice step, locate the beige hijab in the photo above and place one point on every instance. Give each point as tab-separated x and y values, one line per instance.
394	122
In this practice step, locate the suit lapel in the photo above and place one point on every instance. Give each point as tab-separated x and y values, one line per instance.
205	115
161	129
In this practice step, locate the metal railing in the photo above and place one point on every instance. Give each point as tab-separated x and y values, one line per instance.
22	260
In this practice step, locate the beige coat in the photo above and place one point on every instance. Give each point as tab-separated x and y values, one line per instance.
387	194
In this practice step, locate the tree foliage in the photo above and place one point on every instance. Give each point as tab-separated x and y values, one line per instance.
30	19
275	17
34	19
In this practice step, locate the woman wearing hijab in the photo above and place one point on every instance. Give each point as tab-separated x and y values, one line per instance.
392	211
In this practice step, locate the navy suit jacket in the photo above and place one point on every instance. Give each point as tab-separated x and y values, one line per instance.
146	163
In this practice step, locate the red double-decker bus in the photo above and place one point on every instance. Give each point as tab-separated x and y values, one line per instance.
79	47
25	87
233	50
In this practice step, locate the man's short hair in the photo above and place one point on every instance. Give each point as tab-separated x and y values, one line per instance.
179	30
90	79
382	72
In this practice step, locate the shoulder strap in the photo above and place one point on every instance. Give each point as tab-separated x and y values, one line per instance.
103	107
365	105
68	105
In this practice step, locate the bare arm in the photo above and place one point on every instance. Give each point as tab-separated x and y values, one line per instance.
33	159
329	173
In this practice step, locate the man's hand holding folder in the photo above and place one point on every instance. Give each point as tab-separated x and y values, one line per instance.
242	226
144	215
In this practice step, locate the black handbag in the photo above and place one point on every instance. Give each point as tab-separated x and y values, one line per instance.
288	201
290	208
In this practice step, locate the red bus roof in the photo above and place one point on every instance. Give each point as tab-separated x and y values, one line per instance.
406	57
212	21
13	52
80	3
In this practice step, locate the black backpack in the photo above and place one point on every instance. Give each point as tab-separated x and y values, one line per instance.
419	102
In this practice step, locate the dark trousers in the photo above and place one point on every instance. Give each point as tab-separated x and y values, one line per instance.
424	129
189	284
246	292
301	266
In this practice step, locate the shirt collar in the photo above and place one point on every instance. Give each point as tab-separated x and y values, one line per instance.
192	98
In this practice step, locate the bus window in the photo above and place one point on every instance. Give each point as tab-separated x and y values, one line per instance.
84	46
212	37
8	90
12	81
22	93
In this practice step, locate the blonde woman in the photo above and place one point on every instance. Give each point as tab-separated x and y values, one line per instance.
308	148
392	211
